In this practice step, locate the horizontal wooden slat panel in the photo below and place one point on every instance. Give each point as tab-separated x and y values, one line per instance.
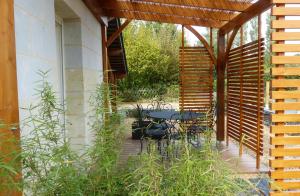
285	94
285	174
284	163
285	83
195	73
286	47
282	11
285	59
285	117
285	129
286	106
245	46
285	71
277	185
243	100
277	152
285	140
286	36
289	24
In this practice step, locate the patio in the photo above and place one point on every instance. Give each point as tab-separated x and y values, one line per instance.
243	163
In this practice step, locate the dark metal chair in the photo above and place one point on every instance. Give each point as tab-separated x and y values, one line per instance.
202	125
159	105
154	131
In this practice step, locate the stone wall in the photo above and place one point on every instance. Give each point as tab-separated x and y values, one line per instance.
37	50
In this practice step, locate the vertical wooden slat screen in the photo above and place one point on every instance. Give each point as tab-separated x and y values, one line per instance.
196	84
245	95
285	129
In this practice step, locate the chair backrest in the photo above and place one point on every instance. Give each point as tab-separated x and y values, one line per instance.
159	105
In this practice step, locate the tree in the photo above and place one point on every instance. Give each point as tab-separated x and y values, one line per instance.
267	46
253	32
152	54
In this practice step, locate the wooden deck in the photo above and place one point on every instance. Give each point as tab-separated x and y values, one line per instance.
246	164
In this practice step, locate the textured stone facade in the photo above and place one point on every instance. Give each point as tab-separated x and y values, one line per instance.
36	45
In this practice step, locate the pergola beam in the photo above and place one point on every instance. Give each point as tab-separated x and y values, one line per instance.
254	10
147	16
230	42
116	34
140	6
210	4
204	42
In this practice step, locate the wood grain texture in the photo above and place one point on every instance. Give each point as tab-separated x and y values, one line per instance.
245	96
188	12
204	42
196	85
221	67
9	110
285	140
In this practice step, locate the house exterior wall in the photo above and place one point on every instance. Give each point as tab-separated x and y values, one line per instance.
36	50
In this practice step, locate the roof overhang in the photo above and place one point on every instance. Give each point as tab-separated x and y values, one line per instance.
223	14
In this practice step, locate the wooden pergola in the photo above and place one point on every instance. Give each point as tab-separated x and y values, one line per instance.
227	16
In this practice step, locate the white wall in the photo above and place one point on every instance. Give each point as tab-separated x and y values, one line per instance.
36	50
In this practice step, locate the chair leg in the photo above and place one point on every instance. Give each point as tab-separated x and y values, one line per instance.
159	146
141	140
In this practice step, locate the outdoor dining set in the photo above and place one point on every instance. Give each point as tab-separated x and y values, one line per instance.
160	123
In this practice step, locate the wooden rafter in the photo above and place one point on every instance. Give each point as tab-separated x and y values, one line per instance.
204	42
205	13
140	6
230	42
212	4
116	34
257	8
148	16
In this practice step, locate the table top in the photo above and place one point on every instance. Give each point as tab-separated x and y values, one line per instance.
174	115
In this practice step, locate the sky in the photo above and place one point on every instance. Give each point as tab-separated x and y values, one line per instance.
192	40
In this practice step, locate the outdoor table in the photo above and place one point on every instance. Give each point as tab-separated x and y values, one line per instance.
174	115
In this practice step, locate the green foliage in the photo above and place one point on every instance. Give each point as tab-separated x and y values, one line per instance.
196	172
9	162
267	56
253	30
152	57
145	176
50	165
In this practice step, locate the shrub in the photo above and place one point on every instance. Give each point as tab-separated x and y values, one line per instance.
195	172
9	163
49	164
52	168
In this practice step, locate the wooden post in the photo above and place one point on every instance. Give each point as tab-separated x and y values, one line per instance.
104	53
105	72
9	109
279	89
259	93
221	87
